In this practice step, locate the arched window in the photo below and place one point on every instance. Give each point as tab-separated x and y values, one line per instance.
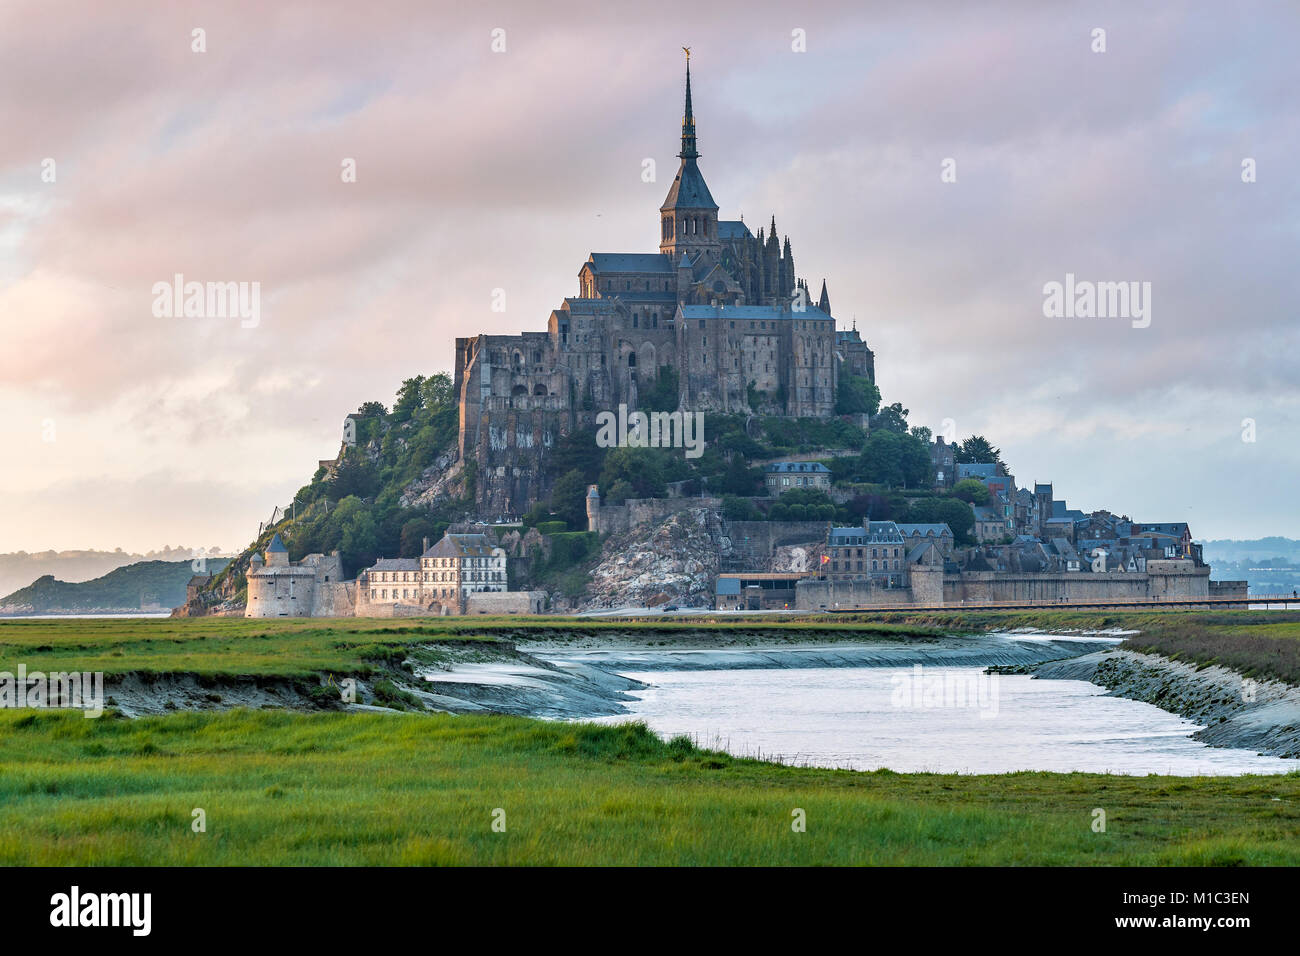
631	360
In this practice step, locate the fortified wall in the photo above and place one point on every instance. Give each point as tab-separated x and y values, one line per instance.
1175	578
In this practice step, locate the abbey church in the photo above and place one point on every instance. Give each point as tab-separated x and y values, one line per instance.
716	309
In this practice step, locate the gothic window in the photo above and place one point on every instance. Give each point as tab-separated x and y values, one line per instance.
636	317
631	360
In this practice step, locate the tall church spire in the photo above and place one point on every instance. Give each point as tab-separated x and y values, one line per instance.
688	118
688	219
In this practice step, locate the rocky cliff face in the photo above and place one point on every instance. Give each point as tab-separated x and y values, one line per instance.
798	557
674	561
440	480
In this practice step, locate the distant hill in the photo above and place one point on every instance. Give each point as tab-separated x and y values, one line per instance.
130	588
20	568
1269	565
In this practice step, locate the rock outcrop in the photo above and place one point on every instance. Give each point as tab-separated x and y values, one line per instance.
674	561
440	480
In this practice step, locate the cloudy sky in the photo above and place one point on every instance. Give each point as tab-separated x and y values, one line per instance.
478	170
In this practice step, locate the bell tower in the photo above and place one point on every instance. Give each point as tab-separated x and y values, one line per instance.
688	219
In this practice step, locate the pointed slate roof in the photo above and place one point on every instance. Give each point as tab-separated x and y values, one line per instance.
688	190
461	546
276	546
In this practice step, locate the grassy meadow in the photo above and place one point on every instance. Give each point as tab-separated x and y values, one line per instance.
337	789
217	647
344	788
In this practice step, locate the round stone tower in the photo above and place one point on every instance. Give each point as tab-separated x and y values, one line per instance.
593	508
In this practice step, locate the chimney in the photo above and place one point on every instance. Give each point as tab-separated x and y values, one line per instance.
424	546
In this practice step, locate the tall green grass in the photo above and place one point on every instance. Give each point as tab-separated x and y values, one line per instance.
342	789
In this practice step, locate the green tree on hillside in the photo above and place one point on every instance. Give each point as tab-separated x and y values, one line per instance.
619	492
891	418
856	395
957	514
894	459
414	531
641	468
355	477
735	508
358	534
569	500
972	490
977	448
740	479
577	451
410	399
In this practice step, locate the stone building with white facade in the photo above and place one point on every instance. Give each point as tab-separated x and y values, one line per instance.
441	579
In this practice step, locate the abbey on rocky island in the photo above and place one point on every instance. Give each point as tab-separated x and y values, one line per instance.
717	309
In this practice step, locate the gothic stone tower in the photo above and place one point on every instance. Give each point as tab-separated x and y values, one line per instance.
689	217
